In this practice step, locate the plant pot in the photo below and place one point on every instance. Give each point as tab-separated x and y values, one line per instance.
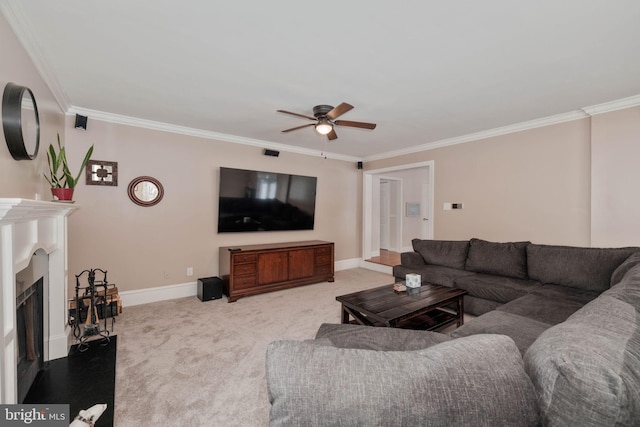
65	194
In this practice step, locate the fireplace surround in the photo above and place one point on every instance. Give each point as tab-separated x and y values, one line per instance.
28	228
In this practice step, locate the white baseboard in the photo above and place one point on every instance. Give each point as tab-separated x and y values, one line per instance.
160	293
376	267
346	264
163	293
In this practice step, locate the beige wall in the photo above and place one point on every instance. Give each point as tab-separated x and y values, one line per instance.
530	185
615	205
144	247
23	179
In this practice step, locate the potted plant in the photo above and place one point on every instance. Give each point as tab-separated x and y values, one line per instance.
60	177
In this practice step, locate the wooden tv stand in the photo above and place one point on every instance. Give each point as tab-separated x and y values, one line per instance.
256	269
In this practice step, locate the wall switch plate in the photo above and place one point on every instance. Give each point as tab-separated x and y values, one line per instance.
190	271
446	206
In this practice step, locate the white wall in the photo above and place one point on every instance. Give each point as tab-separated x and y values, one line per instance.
615	178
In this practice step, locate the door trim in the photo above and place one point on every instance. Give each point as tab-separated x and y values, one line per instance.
369	198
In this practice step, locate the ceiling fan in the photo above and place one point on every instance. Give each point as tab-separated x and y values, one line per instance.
325	120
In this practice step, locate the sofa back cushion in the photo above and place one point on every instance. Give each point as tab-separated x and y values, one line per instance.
586	371
628	288
502	259
583	268
477	380
629	263
447	253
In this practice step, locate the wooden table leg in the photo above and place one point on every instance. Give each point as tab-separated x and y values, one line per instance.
461	311
345	315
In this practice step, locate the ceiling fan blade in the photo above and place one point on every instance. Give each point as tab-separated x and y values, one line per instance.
298	115
299	127
332	135
339	110
355	124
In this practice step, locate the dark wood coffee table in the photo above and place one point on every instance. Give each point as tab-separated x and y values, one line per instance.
428	307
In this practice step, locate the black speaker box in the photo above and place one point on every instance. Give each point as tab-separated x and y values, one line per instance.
81	122
272	153
209	288
359	165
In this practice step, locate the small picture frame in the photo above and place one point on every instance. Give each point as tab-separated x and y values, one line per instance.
100	172
413	209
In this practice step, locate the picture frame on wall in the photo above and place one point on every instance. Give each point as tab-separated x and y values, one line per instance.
100	172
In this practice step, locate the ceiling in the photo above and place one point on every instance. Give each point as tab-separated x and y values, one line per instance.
424	71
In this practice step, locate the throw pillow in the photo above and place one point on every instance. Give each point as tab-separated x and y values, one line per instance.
478	380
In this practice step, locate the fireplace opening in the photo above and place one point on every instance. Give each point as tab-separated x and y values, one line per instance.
30	336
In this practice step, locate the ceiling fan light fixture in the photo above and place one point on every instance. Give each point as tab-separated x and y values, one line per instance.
324	127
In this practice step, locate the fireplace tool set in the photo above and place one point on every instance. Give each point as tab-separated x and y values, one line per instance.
96	294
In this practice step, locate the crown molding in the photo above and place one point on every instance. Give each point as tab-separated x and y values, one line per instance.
606	107
183	130
490	133
619	104
16	18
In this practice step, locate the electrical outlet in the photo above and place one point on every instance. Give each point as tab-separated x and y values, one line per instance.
189	271
165	275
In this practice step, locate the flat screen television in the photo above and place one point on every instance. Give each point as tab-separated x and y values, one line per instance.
265	201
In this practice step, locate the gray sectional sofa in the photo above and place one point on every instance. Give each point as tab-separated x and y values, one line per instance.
557	342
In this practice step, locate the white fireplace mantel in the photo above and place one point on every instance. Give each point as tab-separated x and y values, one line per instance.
27	226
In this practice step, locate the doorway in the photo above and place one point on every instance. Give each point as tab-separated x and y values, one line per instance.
390	214
414	186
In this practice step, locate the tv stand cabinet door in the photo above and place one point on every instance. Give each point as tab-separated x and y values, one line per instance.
273	267
302	263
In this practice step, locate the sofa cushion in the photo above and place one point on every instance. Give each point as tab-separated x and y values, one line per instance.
479	306
543	308
495	288
522	330
383	339
502	259
628	264
586	371
628	289
412	259
563	292
435	274
447	253
583	268
476	380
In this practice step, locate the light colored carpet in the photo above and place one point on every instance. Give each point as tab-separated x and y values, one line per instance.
190	363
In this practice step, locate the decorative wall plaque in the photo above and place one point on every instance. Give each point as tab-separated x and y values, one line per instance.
100	172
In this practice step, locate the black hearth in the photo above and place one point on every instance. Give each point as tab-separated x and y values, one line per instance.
29	322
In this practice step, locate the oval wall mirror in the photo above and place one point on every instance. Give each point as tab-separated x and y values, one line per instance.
20	122
145	191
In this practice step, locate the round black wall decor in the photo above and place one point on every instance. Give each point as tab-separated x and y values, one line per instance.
20	122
